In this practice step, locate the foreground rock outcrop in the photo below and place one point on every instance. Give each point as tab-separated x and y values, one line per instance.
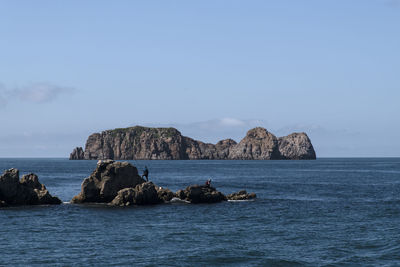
118	184
27	191
169	144
107	179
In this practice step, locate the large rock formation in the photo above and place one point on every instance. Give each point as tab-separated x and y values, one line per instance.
27	191
107	179
168	143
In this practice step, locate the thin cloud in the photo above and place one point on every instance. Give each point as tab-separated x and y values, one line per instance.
40	92
232	122
214	130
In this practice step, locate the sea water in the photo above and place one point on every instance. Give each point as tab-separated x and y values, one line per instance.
327	212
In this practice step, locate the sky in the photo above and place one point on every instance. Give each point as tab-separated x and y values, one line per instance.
211	68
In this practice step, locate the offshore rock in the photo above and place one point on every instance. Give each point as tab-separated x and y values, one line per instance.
168	144
201	194
27	191
241	195
107	179
77	154
296	146
142	194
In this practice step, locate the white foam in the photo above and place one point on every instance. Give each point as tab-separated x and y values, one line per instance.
178	200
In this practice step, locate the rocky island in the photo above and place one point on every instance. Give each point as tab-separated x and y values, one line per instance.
119	184
144	143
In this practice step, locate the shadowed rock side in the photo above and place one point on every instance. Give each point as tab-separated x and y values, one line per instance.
27	191
107	179
168	144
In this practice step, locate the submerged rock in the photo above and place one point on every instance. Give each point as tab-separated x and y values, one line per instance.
27	191
241	195
107	179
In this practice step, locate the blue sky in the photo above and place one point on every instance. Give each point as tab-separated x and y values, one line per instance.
213	69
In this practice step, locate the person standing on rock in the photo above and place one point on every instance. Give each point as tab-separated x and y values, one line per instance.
208	183
146	173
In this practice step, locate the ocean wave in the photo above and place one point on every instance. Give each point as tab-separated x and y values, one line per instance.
178	200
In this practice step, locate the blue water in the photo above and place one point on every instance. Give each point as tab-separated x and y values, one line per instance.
328	212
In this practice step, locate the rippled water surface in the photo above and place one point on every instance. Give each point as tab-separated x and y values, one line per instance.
328	212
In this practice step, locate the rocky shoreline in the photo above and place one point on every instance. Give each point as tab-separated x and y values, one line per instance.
113	183
146	143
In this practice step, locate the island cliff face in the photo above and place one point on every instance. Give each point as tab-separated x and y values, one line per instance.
169	144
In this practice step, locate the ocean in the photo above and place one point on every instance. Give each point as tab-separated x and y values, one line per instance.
327	212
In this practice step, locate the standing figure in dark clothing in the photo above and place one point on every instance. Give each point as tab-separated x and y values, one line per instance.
208	183
146	173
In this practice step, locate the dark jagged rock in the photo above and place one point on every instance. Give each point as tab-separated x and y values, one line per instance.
241	195
142	194
168	143
77	154
201	194
27	191
180	194
107	179
165	194
296	146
